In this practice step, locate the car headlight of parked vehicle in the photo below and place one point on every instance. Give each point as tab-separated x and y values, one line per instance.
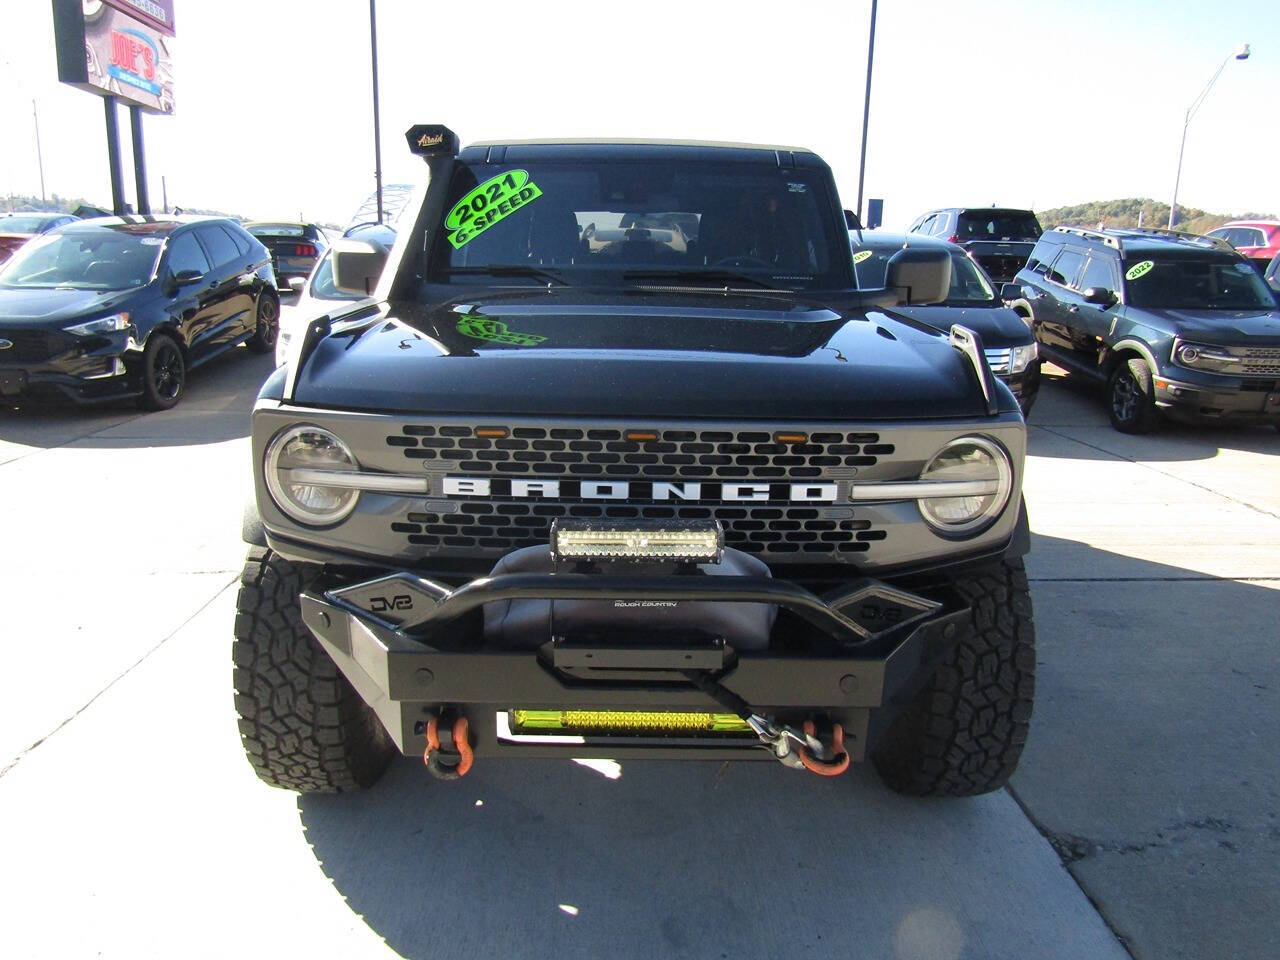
1201	356
112	324
1022	357
304	472
976	472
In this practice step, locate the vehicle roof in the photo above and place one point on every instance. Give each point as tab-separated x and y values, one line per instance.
1131	241
142	225
635	141
1250	223
279	223
883	238
980	209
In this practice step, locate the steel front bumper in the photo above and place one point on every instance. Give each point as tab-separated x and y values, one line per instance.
414	659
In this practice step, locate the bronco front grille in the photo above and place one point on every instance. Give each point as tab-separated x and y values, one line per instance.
796	533
1259	361
687	454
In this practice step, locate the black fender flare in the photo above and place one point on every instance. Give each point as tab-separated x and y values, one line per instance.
252	530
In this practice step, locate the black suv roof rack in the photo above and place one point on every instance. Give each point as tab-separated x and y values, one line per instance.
1114	237
1179	235
1100	237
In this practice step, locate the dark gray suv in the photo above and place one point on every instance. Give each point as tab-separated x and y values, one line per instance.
1171	322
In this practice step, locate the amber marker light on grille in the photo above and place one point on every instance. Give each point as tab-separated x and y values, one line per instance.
641	436
602	540
628	722
492	433
791	437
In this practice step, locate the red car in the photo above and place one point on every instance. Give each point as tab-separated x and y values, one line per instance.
1257	240
17	228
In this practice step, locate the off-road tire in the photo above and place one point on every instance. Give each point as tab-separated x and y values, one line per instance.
267	315
1131	380
964	731
302	724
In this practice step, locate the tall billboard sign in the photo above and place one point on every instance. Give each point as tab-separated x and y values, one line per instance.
121	49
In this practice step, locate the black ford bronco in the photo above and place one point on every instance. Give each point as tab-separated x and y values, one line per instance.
618	463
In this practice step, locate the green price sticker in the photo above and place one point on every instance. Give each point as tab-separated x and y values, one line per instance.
861	255
495	331
1139	270
496	198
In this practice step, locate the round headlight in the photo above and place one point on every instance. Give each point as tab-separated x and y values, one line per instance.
1188	355
983	477
296	462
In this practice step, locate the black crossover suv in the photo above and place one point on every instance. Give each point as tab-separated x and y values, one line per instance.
122	307
971	300
617	462
999	238
1170	322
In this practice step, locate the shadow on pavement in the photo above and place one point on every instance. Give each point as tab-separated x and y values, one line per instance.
1074	410
220	395
1172	832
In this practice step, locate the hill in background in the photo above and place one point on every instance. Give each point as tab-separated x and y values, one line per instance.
1125	213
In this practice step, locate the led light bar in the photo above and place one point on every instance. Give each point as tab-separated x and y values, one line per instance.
605	540
626	722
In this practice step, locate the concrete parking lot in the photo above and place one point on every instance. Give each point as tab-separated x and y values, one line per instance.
1143	818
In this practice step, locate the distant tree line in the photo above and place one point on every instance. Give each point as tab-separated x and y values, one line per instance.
1125	213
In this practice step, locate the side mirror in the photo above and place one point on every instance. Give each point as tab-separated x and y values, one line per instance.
357	266
851	221
297	283
1099	295
1010	291
185	278
920	275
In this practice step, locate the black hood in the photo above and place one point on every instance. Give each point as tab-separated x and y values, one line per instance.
46	309
566	352
997	325
1237	328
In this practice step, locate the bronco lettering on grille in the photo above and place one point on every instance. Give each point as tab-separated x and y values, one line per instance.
501	488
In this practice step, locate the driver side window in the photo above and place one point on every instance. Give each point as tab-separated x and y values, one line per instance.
185	254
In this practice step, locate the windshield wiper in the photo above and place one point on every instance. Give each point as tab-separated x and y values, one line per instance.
707	276
511	270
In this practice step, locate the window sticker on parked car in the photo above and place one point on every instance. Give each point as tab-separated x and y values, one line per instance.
1139	269
496	198
862	255
495	331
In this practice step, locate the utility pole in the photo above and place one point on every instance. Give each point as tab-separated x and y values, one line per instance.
164	193
39	156
377	125
866	107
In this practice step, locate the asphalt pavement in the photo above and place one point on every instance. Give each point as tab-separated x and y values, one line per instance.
1143	818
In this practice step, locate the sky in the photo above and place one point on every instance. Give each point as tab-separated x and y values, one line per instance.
1012	102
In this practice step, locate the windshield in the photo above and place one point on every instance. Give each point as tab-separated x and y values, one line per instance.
1208	284
998	225
635	221
968	284
277	230
84	260
22	224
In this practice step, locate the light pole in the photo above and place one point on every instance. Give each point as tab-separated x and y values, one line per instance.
39	156
377	126
866	108
1242	53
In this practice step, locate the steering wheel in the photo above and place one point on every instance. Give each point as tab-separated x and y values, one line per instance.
743	261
